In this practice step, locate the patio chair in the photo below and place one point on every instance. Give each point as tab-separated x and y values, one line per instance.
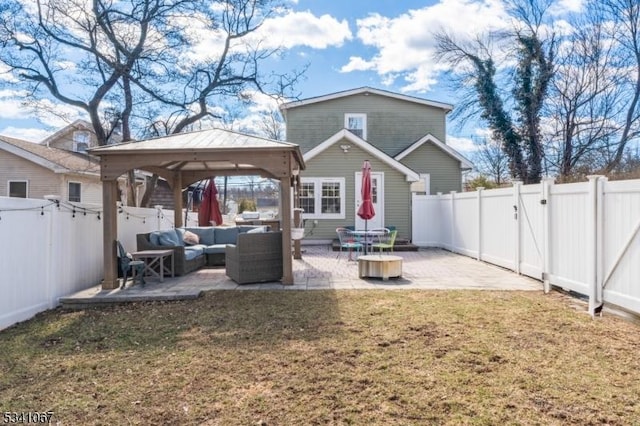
126	264
348	241
386	240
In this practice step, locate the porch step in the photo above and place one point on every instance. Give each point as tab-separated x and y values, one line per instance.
401	244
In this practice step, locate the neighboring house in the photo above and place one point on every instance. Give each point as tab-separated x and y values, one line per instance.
403	137
59	165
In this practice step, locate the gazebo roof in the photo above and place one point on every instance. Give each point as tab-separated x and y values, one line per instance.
185	158
204	153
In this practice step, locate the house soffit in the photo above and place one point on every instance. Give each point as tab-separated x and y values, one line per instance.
342	135
429	138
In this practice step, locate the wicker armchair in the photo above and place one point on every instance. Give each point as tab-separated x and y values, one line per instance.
255	258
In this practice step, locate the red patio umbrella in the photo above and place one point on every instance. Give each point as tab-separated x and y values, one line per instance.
209	210
366	210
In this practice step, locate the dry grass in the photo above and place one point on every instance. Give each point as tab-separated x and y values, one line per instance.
323	357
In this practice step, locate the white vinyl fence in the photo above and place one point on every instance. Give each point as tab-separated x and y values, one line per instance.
50	250
582	236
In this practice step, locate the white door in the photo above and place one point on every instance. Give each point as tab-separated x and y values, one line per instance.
377	192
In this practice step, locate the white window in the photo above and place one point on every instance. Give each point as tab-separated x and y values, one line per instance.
18	188
357	124
323	198
75	189
81	140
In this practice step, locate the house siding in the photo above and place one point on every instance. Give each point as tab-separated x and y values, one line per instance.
333	162
65	141
41	180
443	168
392	124
91	189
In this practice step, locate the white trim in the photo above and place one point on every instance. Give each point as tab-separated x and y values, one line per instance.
379	205
366	90
356	115
466	164
317	193
411	176
10	181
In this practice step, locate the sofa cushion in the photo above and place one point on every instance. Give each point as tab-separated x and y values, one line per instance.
154	238
205	233
257	230
180	234
169	238
190	238
191	252
215	248
246	228
226	235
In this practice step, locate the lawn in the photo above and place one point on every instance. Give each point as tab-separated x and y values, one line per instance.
327	357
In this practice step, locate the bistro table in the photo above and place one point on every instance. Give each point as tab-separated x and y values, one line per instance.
379	266
366	237
154	262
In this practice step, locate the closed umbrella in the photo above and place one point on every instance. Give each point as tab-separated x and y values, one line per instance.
209	210
366	210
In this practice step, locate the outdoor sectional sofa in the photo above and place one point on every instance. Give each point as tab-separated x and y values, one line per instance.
210	246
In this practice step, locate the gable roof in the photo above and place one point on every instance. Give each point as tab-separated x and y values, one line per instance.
366	90
411	175
466	164
78	124
55	159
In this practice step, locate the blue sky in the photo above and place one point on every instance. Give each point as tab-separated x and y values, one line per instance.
386	44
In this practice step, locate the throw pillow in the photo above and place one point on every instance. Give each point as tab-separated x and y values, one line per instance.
191	238
169	238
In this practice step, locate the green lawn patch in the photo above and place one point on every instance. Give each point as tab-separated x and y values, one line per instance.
327	357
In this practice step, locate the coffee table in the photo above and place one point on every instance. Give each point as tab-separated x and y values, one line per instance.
379	266
154	262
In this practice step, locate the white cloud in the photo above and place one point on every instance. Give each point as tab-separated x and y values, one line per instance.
304	29
261	103
564	6
461	144
356	63
50	114
28	134
293	29
405	44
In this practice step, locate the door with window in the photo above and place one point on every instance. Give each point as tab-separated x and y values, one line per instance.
377	197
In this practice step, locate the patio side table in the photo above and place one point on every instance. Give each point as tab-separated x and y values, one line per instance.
379	266
154	262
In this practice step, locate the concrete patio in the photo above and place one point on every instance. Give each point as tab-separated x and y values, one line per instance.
426	269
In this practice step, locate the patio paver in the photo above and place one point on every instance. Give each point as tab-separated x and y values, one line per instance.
428	269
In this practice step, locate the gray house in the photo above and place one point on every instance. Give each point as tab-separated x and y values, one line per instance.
401	136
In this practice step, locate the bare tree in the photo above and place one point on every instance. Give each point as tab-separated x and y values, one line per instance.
588	110
135	58
271	124
490	160
623	19
517	131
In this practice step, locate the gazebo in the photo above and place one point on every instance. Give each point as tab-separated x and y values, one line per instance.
186	158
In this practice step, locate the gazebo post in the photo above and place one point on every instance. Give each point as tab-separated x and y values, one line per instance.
110	233
285	215
177	200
